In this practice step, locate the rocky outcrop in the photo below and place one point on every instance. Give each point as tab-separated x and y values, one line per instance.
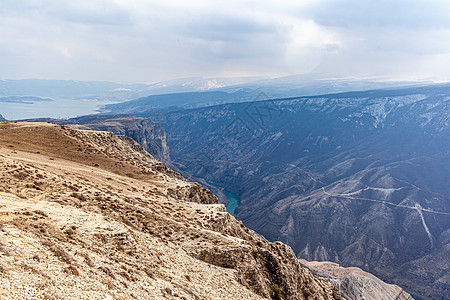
150	135
354	283
147	133
91	215
2	119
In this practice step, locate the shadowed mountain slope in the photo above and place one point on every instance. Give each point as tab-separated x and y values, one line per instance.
358	178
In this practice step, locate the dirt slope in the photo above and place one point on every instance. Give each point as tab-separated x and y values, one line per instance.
90	215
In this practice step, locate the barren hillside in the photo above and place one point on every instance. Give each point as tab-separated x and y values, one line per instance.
355	283
90	215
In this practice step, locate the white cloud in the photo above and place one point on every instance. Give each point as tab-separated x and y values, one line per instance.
142	40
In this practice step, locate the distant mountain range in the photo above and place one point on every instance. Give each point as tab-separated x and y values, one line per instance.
358	178
24	99
292	86
72	89
275	87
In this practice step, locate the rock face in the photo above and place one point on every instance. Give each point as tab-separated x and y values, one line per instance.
354	283
91	215
147	133
2	119
360	179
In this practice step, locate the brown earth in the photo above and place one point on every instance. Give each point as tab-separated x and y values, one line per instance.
90	215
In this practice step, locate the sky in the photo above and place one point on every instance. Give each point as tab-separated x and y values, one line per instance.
149	41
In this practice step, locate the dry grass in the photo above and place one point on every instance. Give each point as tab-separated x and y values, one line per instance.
60	142
75	231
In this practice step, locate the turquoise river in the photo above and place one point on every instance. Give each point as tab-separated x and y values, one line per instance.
233	200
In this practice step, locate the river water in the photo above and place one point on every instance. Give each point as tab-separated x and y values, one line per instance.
233	200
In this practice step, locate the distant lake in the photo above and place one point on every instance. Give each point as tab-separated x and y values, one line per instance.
50	109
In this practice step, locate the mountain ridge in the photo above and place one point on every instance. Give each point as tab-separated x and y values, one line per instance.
91	215
357	178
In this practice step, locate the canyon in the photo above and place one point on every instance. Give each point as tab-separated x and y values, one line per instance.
360	178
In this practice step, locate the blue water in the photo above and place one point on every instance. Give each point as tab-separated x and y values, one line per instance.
233	200
54	109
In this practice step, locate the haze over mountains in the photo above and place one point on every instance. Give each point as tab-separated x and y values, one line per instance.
357	178
22	99
274	88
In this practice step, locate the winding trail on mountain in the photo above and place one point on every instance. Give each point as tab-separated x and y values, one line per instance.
386	202
419	210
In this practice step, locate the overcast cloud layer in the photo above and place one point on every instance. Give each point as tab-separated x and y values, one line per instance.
147	41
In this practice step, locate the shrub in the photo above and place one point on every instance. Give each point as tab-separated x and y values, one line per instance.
255	253
276	292
62	255
72	270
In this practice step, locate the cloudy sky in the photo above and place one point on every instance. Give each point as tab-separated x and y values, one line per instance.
148	40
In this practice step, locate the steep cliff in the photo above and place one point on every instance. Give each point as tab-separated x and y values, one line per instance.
360	178
147	133
91	215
